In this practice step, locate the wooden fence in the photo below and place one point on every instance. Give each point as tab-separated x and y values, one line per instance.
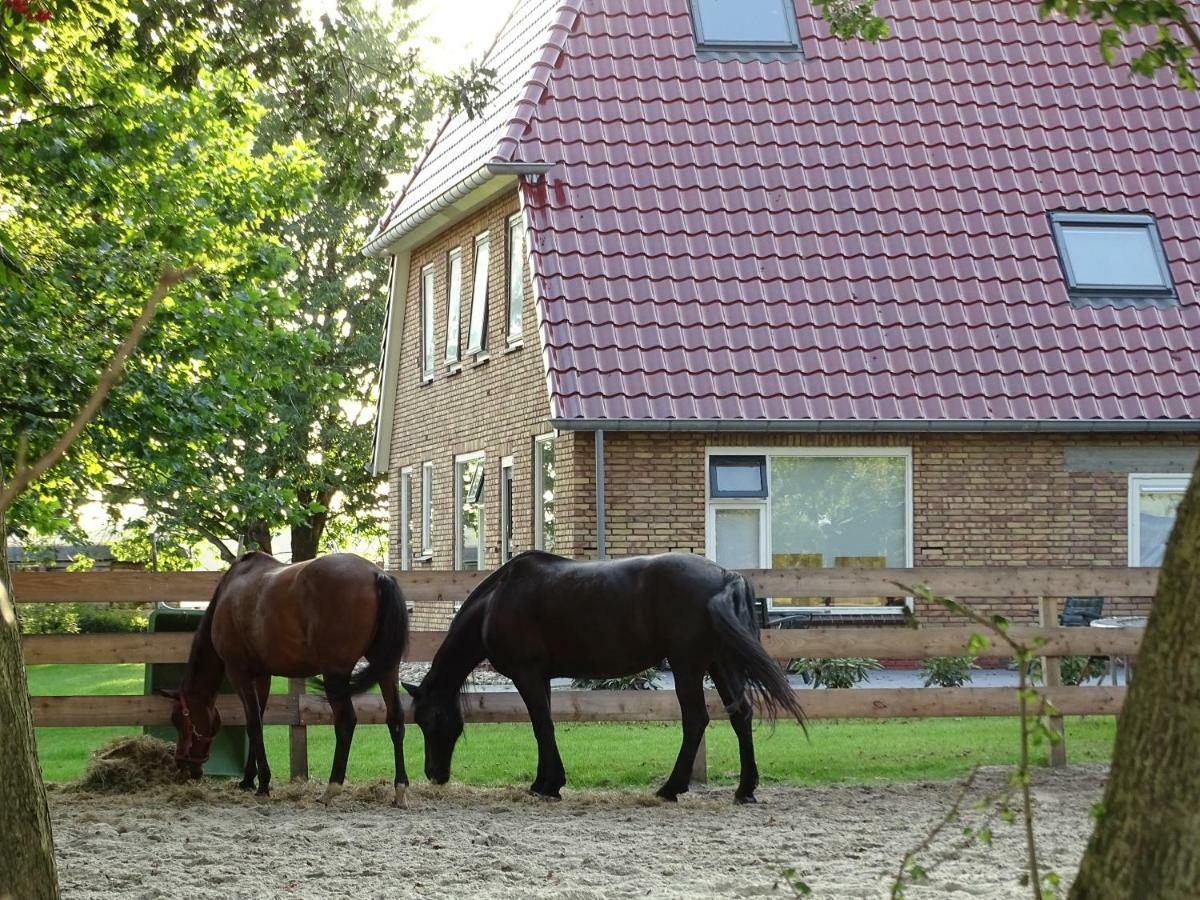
1020	585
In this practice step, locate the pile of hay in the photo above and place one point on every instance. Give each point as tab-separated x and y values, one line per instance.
129	764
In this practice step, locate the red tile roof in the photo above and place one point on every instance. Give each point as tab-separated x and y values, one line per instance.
857	235
856	238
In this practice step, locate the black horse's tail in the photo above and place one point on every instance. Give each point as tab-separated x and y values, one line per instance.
391	635
733	617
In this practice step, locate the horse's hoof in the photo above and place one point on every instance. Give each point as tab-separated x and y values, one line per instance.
545	795
401	801
245	785
263	792
668	796
331	791
747	798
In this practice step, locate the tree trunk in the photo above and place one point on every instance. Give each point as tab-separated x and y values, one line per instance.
306	537
26	844
1147	842
257	536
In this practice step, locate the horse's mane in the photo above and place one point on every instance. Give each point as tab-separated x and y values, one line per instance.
204	629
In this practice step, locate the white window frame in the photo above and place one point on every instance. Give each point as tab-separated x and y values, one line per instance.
788	42
1138	482
460	459
539	535
711	504
427	329
515	238
406	474
426	510
477	328
710	525
506	511
454	306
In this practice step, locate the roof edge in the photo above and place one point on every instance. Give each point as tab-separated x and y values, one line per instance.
851	426
383	242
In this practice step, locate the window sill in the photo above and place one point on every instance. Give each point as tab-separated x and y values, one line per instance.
453	368
426	379
424	557
514	345
480	359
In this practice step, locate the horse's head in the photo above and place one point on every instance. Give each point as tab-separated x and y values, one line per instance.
196	724
441	722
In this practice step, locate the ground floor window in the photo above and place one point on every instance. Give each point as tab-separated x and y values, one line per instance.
543	492
406	518
426	509
811	508
1153	504
468	511
506	507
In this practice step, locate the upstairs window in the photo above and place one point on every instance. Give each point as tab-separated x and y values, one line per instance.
427	322
1112	258
516	268
745	25
477	338
454	303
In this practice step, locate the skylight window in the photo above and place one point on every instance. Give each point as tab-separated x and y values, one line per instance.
1112	257
745	24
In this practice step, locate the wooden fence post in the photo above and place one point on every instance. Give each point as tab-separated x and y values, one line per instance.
297	735
700	765
1056	753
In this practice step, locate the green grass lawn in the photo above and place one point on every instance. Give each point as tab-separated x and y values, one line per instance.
610	755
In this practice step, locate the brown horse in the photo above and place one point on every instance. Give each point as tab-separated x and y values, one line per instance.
314	618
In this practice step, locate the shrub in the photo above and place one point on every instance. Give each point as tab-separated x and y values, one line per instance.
947	671
49	618
111	619
646	680
842	672
1075	670
81	618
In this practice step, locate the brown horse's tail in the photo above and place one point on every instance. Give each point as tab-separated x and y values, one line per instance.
391	636
733	617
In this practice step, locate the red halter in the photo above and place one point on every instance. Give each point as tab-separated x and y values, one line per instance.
192	739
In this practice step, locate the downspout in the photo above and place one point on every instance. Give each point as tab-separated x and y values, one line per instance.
601	549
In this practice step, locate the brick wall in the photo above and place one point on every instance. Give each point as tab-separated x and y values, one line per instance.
994	499
495	404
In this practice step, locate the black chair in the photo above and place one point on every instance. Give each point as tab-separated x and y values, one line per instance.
1081	611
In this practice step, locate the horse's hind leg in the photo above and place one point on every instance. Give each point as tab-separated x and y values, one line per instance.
689	688
395	724
337	689
732	688
262	690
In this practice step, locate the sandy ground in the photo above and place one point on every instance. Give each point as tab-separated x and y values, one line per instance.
845	841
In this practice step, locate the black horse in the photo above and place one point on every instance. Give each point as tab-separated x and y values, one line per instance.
540	616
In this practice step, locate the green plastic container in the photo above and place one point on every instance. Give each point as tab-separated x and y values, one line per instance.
231	745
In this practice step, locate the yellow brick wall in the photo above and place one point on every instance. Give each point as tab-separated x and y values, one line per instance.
496	406
981	499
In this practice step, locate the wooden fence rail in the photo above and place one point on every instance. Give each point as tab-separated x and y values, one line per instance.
983	582
299	710
885	643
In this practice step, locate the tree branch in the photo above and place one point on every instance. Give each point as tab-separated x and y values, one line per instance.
25	474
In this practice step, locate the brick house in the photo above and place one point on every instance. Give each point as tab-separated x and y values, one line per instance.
726	284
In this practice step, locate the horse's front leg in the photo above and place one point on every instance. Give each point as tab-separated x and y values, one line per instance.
534	688
689	688
262	690
245	687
